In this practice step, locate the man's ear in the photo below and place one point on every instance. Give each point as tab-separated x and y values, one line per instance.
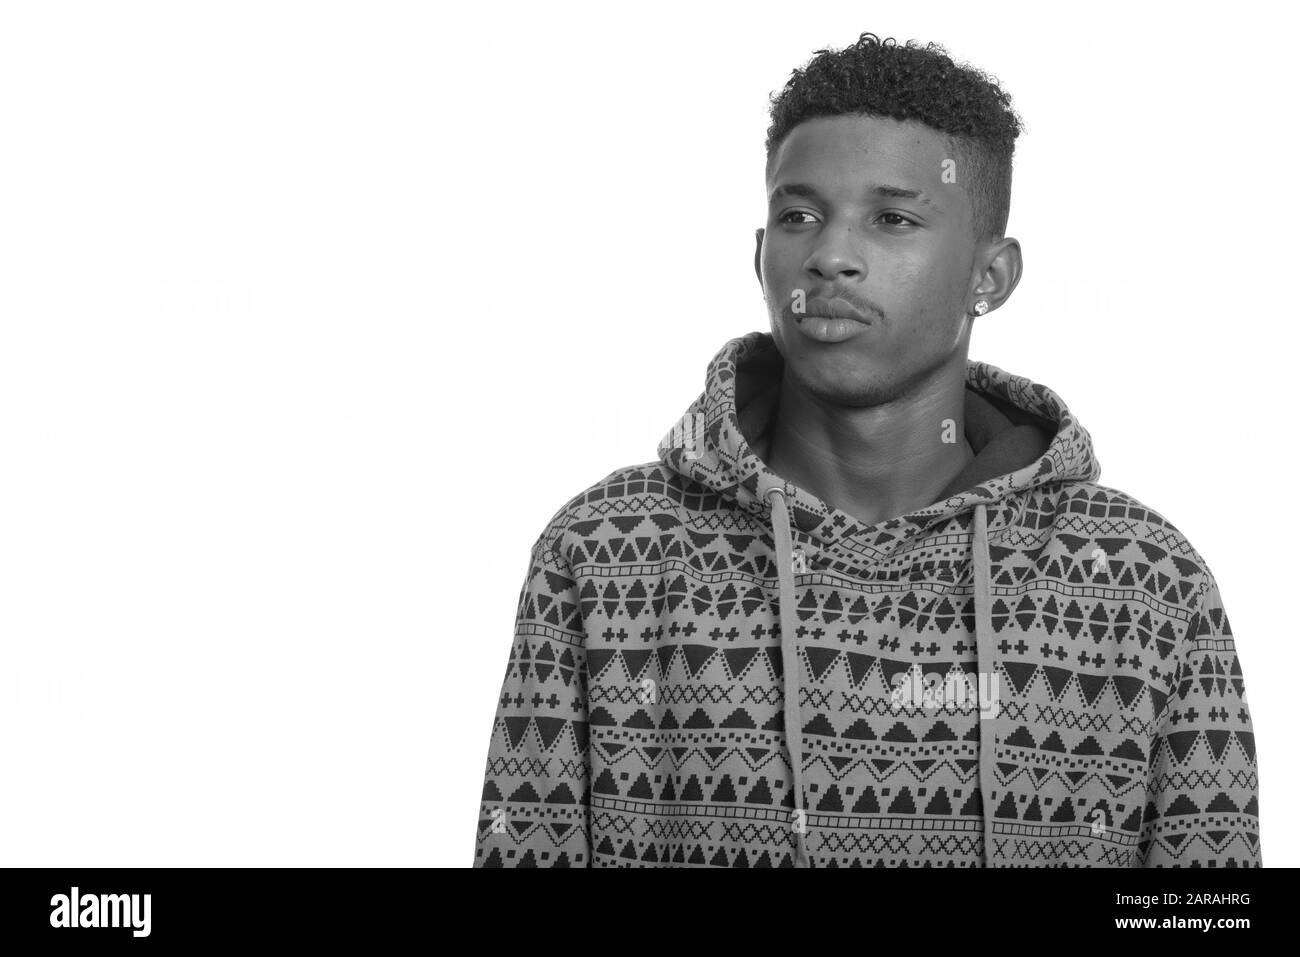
758	253
1000	279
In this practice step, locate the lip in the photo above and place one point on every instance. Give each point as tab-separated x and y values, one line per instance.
829	328
834	309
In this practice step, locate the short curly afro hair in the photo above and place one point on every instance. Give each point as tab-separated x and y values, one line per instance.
879	78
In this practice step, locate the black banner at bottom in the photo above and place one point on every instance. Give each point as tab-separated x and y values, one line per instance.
930	908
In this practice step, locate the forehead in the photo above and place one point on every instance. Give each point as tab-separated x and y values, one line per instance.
849	152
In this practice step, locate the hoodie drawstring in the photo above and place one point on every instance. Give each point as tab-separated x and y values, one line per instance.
987	710
790	667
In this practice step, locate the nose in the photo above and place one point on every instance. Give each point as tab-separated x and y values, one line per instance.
835	254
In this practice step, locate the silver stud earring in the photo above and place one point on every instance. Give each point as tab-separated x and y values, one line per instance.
981	307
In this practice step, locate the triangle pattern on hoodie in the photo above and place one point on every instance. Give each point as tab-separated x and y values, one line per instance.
1033	671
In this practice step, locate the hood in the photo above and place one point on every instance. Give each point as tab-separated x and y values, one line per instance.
1023	437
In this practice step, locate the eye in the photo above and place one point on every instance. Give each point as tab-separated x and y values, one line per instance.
795	212
899	216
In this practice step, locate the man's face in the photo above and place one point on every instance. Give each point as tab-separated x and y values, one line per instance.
903	263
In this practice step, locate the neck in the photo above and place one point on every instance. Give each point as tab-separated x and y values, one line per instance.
876	462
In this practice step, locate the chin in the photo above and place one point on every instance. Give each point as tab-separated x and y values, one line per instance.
841	378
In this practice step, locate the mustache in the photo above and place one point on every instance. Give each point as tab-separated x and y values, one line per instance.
836	305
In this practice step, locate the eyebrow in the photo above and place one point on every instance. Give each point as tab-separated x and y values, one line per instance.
882	190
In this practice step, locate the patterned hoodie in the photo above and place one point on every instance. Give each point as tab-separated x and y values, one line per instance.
712	667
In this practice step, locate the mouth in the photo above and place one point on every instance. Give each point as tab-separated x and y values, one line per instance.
832	316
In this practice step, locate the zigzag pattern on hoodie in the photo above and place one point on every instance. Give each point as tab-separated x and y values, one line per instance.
640	722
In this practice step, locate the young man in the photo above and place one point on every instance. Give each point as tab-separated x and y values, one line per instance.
869	607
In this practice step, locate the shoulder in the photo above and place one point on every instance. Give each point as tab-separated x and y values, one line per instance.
616	504
1147	546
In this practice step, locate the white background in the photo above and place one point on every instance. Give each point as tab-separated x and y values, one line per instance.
312	315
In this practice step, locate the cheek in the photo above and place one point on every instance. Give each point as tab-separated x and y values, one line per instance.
915	291
927	301
935	281
778	261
